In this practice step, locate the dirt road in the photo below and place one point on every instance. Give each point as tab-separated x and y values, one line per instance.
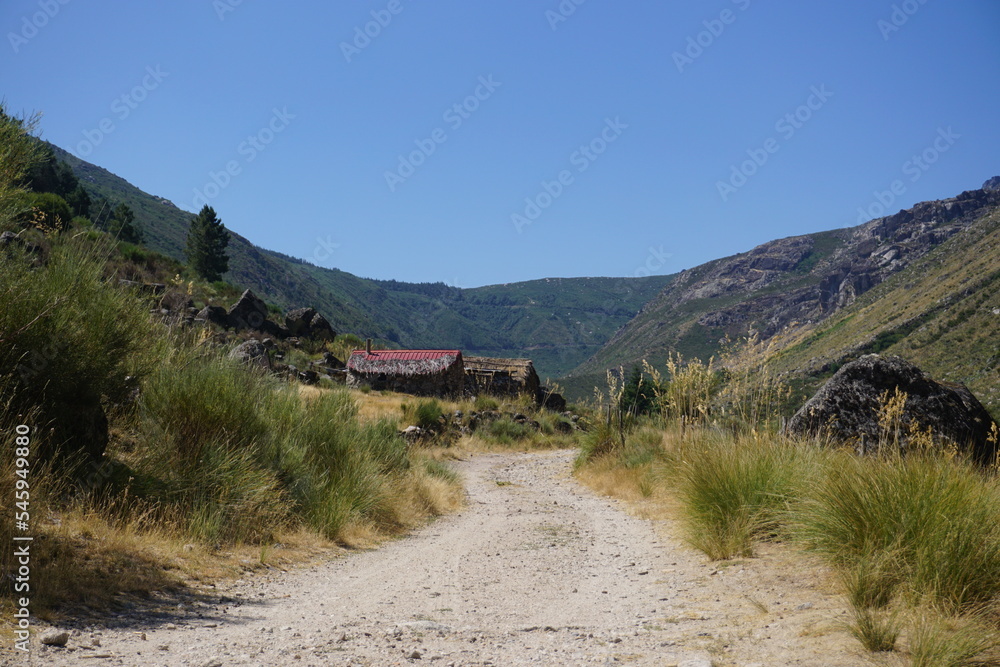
536	570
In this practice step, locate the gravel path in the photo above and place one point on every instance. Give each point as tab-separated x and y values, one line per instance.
536	570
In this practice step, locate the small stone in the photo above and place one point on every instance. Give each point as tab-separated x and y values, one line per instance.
55	638
212	662
804	606
415	655
170	626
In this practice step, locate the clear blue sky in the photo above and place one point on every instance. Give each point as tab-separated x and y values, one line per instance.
182	86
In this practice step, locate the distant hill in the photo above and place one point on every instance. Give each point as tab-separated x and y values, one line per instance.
808	284
557	322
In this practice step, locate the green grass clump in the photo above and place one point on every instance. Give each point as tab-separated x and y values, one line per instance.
484	402
938	641
735	491
642	447
507	432
427	414
877	631
940	520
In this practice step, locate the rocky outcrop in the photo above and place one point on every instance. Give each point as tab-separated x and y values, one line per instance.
298	321
847	409
216	315
320	329
250	312
787	284
307	323
253	353
176	302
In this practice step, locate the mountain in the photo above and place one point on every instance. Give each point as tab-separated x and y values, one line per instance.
800	284
942	313
558	322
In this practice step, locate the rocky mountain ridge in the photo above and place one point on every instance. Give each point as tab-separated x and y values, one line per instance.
795	281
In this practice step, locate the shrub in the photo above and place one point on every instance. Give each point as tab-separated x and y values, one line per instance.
734	491
427	414
192	401
71	342
939	517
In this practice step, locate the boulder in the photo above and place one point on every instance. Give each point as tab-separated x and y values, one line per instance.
298	321
8	238
55	638
847	407
308	377
215	315
320	329
550	400
252	353
176	302
331	361
412	434
250	312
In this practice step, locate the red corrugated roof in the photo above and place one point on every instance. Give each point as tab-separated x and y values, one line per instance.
404	355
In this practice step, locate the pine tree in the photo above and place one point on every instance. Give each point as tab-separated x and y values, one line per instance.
206	245
122	225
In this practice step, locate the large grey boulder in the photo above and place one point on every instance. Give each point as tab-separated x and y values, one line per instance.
298	321
215	315
320	329
250	312
846	408
253	353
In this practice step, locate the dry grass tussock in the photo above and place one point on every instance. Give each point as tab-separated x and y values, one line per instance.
913	540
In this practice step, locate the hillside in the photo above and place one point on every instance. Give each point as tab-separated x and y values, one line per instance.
557	322
942	313
797	283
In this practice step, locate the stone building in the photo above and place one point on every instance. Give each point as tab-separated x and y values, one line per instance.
418	372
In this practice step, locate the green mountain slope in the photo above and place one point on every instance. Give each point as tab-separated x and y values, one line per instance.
795	284
942	313
557	322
